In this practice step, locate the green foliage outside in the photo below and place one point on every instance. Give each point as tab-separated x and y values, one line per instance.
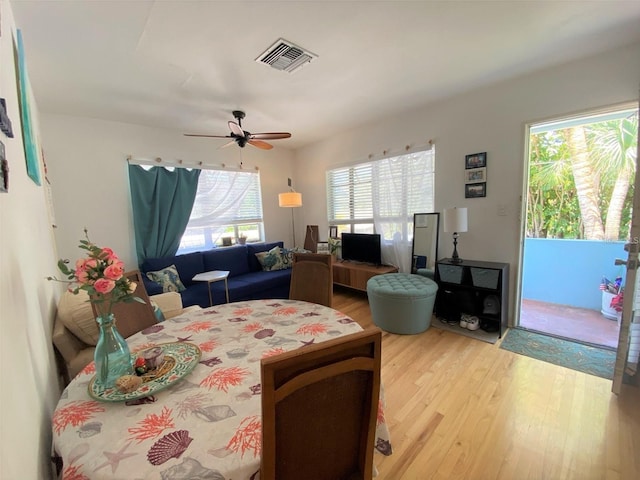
581	180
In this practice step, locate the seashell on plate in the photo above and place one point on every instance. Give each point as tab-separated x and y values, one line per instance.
153	357
170	446
128	383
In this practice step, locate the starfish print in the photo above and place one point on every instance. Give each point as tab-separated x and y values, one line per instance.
306	344
184	339
114	458
310	314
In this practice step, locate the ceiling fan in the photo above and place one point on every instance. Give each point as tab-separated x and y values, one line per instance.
242	137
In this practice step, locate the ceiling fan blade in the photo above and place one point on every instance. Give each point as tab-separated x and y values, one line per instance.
208	136
260	144
270	135
228	144
236	129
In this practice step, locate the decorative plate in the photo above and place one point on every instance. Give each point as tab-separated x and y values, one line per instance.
180	358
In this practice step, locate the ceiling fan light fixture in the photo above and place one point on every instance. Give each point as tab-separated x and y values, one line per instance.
285	56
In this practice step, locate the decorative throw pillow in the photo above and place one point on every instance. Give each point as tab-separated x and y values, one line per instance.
287	255
271	260
168	278
76	314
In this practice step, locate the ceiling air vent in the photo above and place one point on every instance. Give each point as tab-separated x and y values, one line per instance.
286	56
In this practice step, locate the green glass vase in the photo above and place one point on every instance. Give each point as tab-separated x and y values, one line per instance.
112	356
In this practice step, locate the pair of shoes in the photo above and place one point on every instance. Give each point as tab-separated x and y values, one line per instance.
470	322
473	323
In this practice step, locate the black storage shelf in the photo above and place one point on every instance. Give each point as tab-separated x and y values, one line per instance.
463	288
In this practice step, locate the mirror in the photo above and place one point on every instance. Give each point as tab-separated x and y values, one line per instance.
424	253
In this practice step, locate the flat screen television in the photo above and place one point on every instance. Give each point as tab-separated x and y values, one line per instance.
362	247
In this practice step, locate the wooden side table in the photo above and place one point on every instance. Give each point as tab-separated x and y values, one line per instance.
211	277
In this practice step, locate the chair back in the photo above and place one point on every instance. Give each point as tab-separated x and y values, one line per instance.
312	278
131	317
319	409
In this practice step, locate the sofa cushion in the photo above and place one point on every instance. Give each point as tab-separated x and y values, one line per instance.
232	259
253	248
272	260
252	285
169	279
197	294
188	265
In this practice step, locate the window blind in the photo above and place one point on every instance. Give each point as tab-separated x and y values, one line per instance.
390	188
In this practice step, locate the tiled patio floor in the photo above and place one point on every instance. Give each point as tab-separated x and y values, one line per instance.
581	324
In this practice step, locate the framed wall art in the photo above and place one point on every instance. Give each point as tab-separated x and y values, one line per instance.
475	160
475	175
4	171
29	140
475	190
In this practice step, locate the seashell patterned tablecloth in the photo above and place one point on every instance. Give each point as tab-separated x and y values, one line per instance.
208	425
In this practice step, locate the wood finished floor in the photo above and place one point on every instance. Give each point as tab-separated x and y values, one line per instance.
459	408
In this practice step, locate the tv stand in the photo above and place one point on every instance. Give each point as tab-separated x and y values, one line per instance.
356	274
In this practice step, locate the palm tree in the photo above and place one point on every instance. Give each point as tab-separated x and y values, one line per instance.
572	203
612	147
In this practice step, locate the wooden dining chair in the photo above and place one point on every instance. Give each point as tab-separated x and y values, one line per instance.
131	317
319	409
312	278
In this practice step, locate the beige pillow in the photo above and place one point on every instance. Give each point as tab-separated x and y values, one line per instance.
76	314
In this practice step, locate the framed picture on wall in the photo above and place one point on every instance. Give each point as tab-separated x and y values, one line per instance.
475	160
475	175
475	190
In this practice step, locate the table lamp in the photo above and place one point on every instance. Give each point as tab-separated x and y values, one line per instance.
290	199
455	220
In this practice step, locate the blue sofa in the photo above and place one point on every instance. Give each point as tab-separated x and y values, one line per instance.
247	280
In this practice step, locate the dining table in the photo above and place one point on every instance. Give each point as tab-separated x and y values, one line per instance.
202	419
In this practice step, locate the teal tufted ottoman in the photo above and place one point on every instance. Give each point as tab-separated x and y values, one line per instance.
401	302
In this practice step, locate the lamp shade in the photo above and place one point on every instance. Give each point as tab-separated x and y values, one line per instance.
290	199
455	219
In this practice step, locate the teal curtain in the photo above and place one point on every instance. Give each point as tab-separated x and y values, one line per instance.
162	201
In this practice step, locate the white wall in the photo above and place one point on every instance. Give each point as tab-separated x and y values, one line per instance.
489	120
29	388
86	159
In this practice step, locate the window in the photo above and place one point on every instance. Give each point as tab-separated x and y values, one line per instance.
381	197
228	204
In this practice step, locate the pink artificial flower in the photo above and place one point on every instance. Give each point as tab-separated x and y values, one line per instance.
86	264
109	253
82	276
103	285
114	271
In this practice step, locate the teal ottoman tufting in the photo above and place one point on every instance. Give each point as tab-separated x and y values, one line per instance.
401	302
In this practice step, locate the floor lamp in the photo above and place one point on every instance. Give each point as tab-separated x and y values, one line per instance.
455	221
290	199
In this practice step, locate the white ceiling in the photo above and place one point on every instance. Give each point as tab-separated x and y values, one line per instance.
185	65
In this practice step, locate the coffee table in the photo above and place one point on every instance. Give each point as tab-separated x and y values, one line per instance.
213	276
